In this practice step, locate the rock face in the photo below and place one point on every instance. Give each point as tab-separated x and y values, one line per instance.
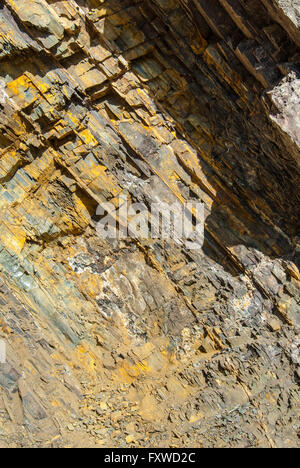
144	342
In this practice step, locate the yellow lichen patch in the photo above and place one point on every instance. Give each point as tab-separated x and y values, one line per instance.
104	180
16	244
81	210
88	138
42	86
85	358
23	91
72	119
129	372
13	238
5	328
139	97
90	284
8	162
271	398
196	417
56	403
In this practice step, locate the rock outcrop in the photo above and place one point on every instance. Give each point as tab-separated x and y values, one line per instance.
144	342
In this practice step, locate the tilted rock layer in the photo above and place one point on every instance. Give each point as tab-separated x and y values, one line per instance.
146	343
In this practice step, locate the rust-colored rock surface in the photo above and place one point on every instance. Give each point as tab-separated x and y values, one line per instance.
145	343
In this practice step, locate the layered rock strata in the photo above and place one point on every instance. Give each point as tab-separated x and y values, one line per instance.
144	342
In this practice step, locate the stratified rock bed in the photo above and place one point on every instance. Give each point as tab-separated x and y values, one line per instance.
145	343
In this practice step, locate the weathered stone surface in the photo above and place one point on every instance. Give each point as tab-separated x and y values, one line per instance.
143	342
287	13
286	97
